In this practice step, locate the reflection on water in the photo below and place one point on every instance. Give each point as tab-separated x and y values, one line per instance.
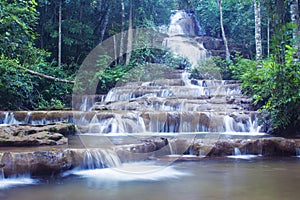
208	180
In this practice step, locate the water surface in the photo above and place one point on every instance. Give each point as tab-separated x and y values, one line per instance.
208	179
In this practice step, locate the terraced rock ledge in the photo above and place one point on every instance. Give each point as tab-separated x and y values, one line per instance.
57	160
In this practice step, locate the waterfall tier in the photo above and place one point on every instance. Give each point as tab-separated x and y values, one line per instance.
184	23
182	32
162	106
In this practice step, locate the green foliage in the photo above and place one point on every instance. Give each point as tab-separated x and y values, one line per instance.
17	19
212	68
274	88
13	85
145	65
238	20
152	13
225	70
19	89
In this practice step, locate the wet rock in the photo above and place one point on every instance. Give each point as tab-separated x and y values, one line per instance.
222	148
272	146
35	135
35	163
278	147
54	161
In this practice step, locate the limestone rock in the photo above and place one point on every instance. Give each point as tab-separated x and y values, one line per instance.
35	135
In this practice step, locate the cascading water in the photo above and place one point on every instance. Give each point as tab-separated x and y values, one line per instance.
205	107
16	180
84	106
2	177
237	154
237	151
184	25
298	152
100	158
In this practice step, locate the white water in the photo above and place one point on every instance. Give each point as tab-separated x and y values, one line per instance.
10	118
183	23
6	183
229	121
84	105
100	158
298	152
14	181
2	174
238	155
140	171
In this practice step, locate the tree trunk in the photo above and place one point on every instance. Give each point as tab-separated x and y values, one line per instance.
115	50
105	23
223	32
130	35
121	52
258	42
294	6
59	33
268	37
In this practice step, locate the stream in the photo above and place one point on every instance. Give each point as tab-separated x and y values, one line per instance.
210	179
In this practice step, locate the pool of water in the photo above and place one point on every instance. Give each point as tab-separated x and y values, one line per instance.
207	179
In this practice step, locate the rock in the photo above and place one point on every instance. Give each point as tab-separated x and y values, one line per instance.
222	148
36	163
54	161
35	135
278	147
272	146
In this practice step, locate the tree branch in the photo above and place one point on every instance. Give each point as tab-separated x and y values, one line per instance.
46	76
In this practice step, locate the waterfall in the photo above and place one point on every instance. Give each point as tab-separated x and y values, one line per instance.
253	126
172	146
10	118
2	176
228	122
298	152
184	25
84	106
100	158
238	155
237	152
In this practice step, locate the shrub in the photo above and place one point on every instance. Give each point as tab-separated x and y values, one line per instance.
207	69
274	88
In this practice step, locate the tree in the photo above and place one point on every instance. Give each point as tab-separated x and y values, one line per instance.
18	19
130	35
59	32
258	40
20	59
223	31
294	7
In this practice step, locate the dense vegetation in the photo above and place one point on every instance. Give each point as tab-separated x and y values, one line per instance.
43	37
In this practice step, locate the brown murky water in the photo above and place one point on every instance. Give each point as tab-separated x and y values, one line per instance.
208	179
